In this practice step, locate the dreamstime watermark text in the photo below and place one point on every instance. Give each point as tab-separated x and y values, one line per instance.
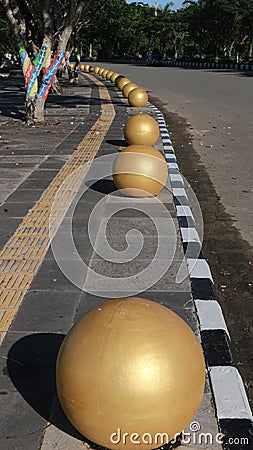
194	437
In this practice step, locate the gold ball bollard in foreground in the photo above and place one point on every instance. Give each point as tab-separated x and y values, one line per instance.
122	82
130	366
141	129
128	88
114	76
138	97
140	170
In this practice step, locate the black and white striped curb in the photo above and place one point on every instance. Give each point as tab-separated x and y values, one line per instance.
234	415
208	65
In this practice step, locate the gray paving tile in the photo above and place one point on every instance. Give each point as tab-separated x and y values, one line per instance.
31	183
128	278
56	165
148	227
15	209
43	173
50	277
25	195
62	249
134	209
21	426
121	248
8	225
46	311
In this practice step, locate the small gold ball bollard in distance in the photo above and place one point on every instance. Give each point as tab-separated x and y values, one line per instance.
101	71
114	76
141	129
96	70
130	366
82	66
105	71
122	82
140	171
87	67
118	78
138	97
108	75
128	88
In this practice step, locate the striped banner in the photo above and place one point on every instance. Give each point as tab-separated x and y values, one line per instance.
27	68
40	60
49	75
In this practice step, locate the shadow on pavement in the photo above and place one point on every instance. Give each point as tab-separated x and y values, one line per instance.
117	142
32	369
104	186
31	366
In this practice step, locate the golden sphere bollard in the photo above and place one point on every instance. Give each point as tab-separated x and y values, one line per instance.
121	82
138	97
109	74
87	67
82	66
105	71
101	70
128	88
130	366
140	171
96	70
114	76
141	129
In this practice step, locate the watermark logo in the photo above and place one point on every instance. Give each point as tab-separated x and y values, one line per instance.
141	272
193	436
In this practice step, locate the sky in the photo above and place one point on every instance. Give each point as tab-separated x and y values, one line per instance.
177	3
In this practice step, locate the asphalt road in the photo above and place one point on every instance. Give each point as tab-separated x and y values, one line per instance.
218	106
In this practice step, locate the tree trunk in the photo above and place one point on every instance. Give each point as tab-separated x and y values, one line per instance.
250	50
48	77
30	108
31	73
38	116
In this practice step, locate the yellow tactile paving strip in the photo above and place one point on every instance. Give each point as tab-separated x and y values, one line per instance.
23	254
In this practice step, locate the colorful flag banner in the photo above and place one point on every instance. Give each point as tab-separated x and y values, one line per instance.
37	68
49	75
27	68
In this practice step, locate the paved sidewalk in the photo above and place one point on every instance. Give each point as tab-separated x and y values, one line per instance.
40	303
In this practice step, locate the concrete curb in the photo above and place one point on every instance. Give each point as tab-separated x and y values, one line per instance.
233	412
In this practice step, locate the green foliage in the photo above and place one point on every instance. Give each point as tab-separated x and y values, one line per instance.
201	29
205	29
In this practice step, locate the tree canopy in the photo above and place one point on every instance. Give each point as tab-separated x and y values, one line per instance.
204	28
200	29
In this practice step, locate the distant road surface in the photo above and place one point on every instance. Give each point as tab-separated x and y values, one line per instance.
219	107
